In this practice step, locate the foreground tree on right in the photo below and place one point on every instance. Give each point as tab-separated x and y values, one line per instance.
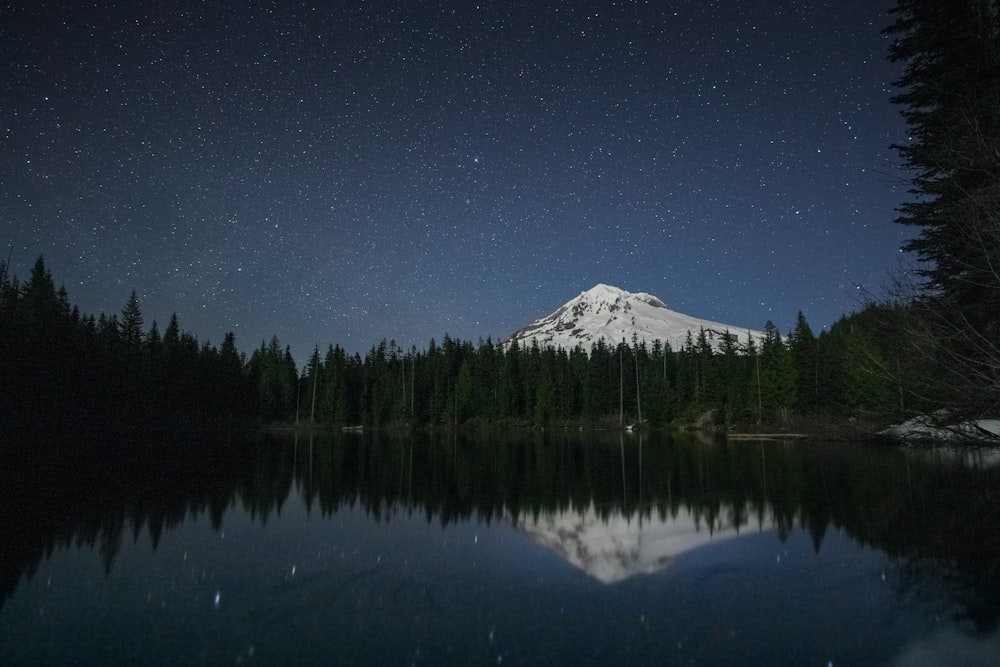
951	100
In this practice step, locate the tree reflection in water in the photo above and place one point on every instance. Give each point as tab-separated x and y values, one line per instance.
938	519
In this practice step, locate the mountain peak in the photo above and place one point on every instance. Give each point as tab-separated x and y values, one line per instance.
602	292
601	289
613	314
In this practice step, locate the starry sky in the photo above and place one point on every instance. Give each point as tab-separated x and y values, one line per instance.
344	172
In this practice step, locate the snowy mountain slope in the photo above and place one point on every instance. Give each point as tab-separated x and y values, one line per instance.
612	548
615	315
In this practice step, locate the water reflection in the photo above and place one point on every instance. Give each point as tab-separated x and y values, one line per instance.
614	547
614	507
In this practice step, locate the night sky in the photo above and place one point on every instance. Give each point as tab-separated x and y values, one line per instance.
345	172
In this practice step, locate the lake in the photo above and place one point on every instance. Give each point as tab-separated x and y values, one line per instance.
556	548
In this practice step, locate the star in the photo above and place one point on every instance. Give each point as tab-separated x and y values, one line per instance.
344	176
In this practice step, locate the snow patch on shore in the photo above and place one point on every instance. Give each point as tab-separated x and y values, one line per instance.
929	428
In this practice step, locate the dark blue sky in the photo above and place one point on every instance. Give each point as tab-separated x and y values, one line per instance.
351	171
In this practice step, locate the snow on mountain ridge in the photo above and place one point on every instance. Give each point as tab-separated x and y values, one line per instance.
609	313
612	547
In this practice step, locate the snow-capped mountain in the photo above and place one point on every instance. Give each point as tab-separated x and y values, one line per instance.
615	315
612	548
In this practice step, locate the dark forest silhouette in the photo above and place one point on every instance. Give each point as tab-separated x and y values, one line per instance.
60	363
882	497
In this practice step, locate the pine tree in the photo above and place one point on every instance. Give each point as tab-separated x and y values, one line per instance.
154	349
732	379
275	379
951	100
870	386
778	377
952	104
802	345
131	323
39	301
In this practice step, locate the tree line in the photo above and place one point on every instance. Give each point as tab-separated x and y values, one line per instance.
769	381
932	345
59	361
881	497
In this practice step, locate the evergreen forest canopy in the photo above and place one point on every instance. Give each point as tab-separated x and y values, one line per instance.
59	361
931	346
951	102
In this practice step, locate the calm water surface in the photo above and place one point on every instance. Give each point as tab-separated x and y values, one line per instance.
526	549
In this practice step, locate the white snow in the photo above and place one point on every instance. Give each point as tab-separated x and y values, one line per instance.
614	548
930	428
615	315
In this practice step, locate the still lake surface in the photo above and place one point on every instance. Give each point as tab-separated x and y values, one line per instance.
525	548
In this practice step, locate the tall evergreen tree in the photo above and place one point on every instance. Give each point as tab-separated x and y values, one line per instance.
951	100
778	377
39	300
802	345
951	96
732	379
131	323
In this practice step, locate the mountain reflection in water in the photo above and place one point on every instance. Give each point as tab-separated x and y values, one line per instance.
616	547
624	510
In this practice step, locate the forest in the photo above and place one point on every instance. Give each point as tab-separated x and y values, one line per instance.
57	361
931	345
